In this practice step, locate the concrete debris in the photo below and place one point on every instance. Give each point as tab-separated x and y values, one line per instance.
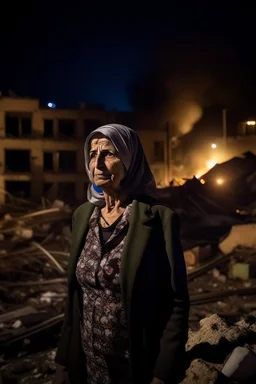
17	313
24	233
212	351
34	253
58	204
198	255
17	324
23	366
211	354
239	236
218	276
217	235
8	217
244	271
241	365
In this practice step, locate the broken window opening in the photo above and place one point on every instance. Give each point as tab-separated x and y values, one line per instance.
18	126
17	160
67	127
11	126
18	188
48	161
67	161
50	191
48	128
26	126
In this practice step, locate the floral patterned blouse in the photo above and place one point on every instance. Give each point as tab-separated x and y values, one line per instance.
104	331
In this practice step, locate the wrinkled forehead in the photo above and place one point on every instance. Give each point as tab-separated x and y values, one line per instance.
100	142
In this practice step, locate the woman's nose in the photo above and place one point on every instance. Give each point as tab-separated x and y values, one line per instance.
99	161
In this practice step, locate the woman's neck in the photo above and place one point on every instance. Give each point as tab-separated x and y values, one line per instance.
114	201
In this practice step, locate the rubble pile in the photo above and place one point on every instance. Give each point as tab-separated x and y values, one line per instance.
34	251
218	238
208	210
220	352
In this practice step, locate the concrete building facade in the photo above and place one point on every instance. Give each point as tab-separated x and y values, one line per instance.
41	149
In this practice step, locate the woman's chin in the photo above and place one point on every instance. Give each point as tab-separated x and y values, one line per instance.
103	183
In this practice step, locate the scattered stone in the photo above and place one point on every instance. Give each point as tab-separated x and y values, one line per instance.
17	324
200	372
48	367
52	355
215	273
38	375
23	366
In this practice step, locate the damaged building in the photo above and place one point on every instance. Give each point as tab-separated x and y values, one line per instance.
217	236
41	150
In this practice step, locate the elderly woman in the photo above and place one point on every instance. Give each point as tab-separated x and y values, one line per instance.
126	319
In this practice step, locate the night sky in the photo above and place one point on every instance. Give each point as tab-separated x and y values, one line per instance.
71	53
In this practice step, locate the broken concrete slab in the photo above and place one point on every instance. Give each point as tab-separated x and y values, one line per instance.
198	255
17	313
241	365
244	271
210	347
239	236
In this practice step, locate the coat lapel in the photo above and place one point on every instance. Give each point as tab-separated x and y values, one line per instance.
140	227
79	232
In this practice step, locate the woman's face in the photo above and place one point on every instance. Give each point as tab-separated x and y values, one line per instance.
104	164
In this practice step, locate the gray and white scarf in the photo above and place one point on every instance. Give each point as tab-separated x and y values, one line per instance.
139	180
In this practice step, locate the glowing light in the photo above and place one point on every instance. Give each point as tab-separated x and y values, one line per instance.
214	146
219	181
210	164
51	105
202	181
251	122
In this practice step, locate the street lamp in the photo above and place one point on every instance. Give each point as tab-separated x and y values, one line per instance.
214	146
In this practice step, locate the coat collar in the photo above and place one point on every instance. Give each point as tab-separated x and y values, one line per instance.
140	227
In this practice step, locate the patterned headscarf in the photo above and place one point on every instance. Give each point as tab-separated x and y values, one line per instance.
138	180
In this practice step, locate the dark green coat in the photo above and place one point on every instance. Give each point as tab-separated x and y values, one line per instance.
154	290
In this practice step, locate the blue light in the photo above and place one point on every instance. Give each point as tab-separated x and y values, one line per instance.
51	105
97	189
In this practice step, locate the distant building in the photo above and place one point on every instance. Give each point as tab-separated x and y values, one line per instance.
41	149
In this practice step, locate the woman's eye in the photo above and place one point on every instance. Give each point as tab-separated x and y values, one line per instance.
92	154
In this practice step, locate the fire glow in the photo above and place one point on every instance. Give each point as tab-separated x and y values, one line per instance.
211	163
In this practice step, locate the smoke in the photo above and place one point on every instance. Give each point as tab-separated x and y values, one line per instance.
185	78
188	95
184	114
163	97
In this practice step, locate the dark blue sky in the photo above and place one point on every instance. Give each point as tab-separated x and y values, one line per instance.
73	53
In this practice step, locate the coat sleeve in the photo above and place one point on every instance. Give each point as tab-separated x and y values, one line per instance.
171	363
63	345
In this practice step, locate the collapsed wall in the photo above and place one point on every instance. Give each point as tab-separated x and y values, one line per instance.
209	348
